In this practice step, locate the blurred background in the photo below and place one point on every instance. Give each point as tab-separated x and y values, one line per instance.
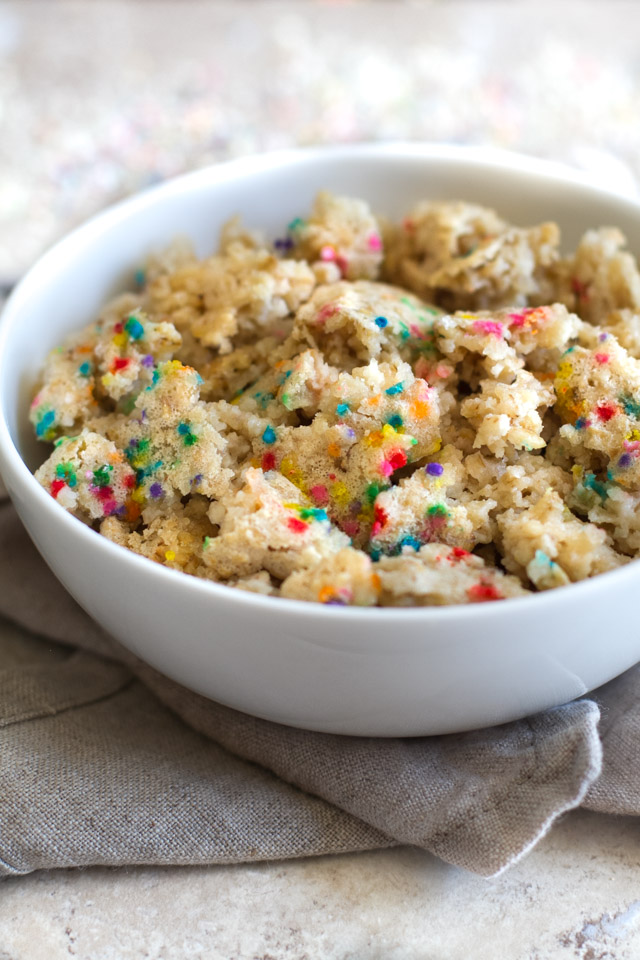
99	98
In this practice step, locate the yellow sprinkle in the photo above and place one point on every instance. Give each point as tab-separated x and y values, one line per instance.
138	496
169	555
340	494
564	370
120	340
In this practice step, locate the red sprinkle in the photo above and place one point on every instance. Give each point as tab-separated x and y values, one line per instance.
118	328
104	494
602	357
268	461
482	591
298	526
606	411
120	363
56	487
459	554
381	517
398	459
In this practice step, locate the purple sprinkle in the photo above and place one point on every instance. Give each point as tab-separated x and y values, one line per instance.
147	361
603	337
156	490
434	469
624	460
355	506
335	602
197	479
350	433
284	244
143	416
120	511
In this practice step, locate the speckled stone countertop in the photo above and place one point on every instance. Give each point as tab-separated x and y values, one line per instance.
98	99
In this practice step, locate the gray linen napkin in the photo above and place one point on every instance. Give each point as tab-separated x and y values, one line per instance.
105	761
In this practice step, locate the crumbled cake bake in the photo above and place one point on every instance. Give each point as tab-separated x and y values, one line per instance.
437	412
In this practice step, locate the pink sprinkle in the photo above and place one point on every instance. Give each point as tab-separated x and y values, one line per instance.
327	253
109	507
375	243
488	326
351	528
329	310
443	371
35	401
632	445
517	319
343	263
602	357
386	469
320	494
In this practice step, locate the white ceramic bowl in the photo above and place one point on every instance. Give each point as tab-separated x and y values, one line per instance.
379	672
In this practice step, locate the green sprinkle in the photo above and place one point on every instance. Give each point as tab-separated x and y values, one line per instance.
67	472
438	510
296	224
101	476
189	438
374	489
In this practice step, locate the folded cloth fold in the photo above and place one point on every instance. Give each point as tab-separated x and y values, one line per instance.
105	761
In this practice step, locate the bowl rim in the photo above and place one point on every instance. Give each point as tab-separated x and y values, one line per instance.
102	222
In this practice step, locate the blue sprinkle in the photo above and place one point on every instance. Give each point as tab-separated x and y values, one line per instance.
342	409
269	436
409	542
134	328
84	369
381	322
45	422
396	388
395	421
